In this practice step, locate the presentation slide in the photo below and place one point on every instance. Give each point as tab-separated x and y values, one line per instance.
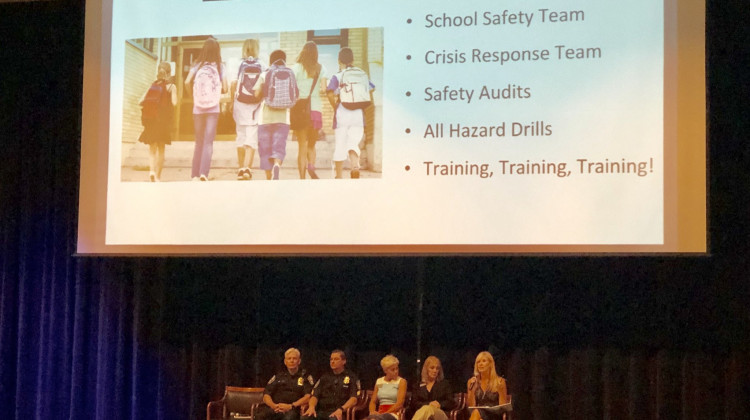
442	127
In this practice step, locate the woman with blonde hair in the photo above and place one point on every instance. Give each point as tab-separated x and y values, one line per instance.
390	392
485	388
306	117
433	397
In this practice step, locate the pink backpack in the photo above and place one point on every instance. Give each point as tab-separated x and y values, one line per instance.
207	87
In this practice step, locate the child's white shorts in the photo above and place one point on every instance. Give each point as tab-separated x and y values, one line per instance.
247	135
347	138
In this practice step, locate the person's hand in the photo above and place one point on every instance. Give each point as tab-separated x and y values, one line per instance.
337	414
472	383
310	412
435	404
283	408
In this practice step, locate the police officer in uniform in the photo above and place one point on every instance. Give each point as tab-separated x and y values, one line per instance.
335	391
286	391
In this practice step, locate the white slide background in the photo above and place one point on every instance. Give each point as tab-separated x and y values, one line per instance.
598	109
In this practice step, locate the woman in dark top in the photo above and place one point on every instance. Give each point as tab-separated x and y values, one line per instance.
485	388
434	396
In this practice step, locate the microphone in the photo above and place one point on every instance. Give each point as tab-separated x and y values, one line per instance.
476	379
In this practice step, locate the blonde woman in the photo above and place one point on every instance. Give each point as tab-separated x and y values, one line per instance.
389	393
485	388
433	397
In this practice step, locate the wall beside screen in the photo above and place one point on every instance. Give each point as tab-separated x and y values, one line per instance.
528	128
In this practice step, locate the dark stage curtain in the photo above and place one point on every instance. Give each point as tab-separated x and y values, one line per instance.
157	338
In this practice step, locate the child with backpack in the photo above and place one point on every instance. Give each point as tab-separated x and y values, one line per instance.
157	109
209	82
306	118
349	92
279	89
246	107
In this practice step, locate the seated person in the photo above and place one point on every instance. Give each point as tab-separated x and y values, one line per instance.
485	388
433	397
389	393
335	392
286	391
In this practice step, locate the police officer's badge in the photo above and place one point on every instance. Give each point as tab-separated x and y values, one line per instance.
299	381
346	380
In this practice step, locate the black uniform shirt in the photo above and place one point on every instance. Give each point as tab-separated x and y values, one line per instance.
333	390
287	388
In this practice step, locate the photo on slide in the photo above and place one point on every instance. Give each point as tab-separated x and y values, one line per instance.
159	140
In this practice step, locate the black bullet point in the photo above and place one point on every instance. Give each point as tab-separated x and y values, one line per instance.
408	93
408	130
408	57
408	20
407	167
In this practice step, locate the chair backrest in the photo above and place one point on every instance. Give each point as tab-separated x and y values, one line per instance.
457	412
401	415
360	409
363	398
241	400
460	399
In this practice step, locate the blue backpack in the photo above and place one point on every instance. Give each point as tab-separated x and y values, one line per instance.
246	79
280	89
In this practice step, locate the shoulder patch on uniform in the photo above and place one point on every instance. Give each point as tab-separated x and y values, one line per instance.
359	385
272	380
310	379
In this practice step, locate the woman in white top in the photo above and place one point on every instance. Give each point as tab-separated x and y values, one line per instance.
389	393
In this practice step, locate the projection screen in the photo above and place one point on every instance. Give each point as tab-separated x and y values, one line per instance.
514	127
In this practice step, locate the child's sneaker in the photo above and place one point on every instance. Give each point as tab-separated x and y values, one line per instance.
240	174
275	172
247	174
